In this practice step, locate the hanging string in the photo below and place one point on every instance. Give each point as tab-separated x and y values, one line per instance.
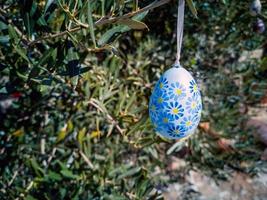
180	29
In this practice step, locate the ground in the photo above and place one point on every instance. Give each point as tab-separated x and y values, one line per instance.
198	186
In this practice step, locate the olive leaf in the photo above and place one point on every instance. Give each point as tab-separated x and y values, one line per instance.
192	7
133	24
90	22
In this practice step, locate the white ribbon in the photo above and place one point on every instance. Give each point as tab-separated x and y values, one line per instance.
180	29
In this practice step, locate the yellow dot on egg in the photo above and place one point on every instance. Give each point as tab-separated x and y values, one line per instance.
188	123
177	131
153	108
193	105
165	120
161	85
178	91
175	111
195	88
160	100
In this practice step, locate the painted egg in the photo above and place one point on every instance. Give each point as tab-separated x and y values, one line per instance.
175	104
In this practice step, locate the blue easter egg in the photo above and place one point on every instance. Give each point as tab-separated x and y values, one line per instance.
175	104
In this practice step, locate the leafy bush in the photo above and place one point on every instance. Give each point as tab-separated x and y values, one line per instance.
76	77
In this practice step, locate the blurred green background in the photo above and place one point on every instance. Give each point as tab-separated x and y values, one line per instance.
75	83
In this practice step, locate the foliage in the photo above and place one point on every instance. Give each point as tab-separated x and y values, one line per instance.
76	77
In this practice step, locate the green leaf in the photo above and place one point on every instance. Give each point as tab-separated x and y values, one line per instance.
70	126
28	24
263	65
62	165
33	8
4	39
68	174
145	142
133	24
143	188
29	197
3	26
111	33
130	102
90	22
84	70
45	57
3	90
62	134
140	16
54	176
102	7
25	78
13	34
130	172
81	135
37	169
105	38
101	105
48	3
21	52
41	21
192	7
72	37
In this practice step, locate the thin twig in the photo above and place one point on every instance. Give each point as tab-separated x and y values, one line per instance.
42	146
104	20
109	117
51	156
2	11
23	194
86	159
51	36
2	151
13	177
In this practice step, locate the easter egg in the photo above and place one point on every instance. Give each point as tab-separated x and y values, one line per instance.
175	104
255	7
259	26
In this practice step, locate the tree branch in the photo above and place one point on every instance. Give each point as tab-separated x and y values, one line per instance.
51	36
153	5
102	21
